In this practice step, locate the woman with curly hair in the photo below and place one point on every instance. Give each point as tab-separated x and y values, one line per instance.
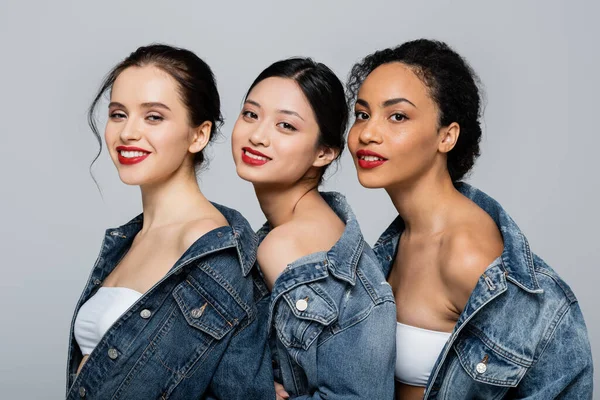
479	315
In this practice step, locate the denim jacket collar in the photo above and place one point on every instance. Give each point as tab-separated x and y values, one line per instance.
341	260
238	234
516	259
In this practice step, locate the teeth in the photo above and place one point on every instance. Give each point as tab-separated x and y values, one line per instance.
371	158
132	154
255	157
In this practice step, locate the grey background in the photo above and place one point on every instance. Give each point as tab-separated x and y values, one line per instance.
536	59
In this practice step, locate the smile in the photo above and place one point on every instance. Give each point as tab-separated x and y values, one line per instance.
253	157
368	159
131	155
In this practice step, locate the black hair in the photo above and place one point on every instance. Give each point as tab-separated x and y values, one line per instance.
324	92
197	86
452	84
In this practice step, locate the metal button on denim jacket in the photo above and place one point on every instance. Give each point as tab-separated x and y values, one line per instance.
199	326
521	333
334	320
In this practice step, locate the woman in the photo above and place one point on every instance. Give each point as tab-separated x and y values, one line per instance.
327	297
479	315
170	308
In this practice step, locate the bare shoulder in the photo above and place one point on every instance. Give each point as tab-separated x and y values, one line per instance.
465	253
193	230
297	238
280	247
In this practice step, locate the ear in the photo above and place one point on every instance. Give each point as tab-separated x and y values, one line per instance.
448	137
200	137
325	156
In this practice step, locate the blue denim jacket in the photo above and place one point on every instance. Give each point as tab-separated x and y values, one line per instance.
204	337
521	333
334	320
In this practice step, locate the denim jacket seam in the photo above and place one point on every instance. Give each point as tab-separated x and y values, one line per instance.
500	351
226	285
568	293
553	326
367	313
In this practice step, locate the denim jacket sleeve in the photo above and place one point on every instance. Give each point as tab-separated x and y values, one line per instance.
245	371
358	362
564	369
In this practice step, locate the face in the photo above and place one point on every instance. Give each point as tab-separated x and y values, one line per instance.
148	133
275	138
395	139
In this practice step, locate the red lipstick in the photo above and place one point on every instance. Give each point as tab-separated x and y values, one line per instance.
254	161
131	160
371	162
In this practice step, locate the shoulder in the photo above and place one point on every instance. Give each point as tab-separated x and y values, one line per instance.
282	245
193	230
465	253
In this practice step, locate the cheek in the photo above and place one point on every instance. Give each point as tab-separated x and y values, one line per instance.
353	138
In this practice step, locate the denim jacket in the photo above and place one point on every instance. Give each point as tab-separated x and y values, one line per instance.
195	334
334	320
521	333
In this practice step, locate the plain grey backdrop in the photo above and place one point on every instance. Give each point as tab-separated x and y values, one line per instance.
538	62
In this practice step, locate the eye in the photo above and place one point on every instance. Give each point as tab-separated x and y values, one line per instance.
249	114
286	126
117	115
398	117
361	115
154	117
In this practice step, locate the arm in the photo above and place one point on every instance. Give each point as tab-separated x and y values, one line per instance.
245	371
564	369
358	363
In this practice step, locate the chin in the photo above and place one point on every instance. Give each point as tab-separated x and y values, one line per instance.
370	182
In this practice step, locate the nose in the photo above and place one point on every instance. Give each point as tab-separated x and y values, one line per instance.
131	131
260	135
370	133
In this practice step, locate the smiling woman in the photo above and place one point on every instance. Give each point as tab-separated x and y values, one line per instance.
173	306
328	301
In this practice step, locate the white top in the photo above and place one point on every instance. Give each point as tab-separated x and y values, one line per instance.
417	350
98	314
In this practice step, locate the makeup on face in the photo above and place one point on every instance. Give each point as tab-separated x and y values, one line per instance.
369	159
254	157
129	155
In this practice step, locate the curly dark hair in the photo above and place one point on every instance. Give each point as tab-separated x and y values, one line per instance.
452	84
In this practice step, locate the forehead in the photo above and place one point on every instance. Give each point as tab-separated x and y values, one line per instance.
145	84
393	80
281	94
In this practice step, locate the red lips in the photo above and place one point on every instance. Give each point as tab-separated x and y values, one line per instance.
371	163
254	161
131	160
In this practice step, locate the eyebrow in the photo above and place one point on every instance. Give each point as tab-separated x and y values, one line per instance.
288	112
397	100
387	103
145	105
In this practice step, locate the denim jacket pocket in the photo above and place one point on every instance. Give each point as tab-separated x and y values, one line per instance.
302	314
488	363
201	310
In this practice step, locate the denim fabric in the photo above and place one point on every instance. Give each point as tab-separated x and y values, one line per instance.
204	338
521	333
342	346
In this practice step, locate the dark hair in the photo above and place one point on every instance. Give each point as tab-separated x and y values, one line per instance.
324	92
197	86
452	84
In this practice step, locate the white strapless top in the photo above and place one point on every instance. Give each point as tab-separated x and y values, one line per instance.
98	314
417	350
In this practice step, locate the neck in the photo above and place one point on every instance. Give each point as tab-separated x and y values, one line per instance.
279	203
174	200
423	205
